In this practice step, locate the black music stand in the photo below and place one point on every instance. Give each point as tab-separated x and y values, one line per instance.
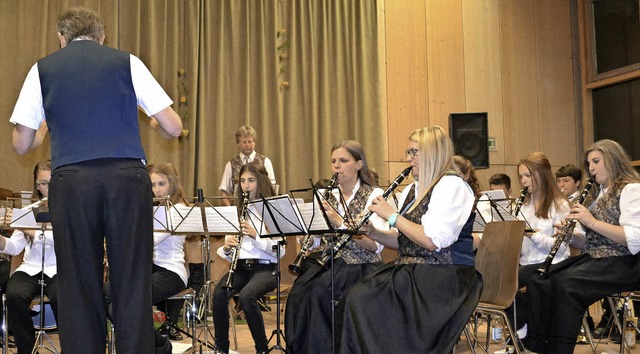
199	219
327	228
281	219
37	218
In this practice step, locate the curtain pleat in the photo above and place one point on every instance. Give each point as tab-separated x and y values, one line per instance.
303	73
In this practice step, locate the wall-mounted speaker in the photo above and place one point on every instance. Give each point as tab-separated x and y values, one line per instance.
470	137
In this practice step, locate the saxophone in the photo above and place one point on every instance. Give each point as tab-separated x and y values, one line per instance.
296	267
347	237
235	251
566	231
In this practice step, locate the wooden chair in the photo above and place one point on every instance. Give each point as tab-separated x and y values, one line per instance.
497	261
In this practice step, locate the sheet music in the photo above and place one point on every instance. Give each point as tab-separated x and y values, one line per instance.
284	214
501	207
160	219
185	219
479	223
311	214
26	219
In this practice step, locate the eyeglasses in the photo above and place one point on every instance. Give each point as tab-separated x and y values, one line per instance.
411	152
42	184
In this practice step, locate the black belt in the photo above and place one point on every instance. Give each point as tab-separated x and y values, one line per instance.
253	262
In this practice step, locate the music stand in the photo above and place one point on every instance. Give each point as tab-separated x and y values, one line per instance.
500	208
35	217
198	219
327	228
281	219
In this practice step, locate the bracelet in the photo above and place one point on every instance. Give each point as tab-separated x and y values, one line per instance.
392	219
593	223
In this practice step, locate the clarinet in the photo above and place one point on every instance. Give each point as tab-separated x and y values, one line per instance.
346	238
235	251
519	201
296	267
566	231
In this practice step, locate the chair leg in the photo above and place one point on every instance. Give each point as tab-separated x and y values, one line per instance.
587	332
232	324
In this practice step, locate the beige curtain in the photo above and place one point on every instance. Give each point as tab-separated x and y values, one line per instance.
303	73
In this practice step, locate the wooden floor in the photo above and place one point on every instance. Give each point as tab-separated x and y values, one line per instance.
245	342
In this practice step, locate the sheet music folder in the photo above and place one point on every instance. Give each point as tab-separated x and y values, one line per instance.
180	219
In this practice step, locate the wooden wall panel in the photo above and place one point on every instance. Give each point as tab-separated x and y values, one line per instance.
406	75
555	82
445	60
482	68
406	67
519	77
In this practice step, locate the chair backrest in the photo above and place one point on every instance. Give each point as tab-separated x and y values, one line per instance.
497	261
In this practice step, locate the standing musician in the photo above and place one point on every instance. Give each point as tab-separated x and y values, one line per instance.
421	302
610	263
100	189
543	206
246	138
254	274
308	315
23	285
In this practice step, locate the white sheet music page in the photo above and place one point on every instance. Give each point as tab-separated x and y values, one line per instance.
501	203
25	219
160	219
283	213
311	214
186	219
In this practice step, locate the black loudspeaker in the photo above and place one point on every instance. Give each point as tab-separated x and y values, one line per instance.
470	137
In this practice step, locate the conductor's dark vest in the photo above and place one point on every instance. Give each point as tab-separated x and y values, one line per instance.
90	104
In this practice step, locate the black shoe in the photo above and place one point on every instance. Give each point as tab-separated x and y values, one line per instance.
174	334
599	332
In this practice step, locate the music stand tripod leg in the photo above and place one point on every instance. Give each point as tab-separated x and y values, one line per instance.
41	334
205	297
277	333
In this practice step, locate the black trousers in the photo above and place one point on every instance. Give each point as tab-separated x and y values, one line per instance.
250	284
557	303
22	288
89	202
525	274
166	284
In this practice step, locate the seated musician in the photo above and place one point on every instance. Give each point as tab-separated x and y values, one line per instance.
253	276
23	285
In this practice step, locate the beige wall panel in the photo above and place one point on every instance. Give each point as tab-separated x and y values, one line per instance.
555	81
519	77
406	76
445	60
482	68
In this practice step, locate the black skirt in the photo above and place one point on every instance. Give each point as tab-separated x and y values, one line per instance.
308	310
409	308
